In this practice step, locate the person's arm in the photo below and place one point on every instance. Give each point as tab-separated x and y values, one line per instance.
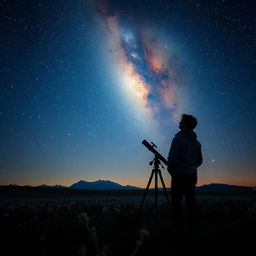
199	159
173	154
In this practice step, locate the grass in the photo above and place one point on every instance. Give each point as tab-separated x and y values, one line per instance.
107	226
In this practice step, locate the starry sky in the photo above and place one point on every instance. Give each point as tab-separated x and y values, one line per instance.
83	82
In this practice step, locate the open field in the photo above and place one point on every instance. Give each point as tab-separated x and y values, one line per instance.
57	222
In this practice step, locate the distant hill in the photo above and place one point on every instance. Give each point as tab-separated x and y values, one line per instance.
100	185
55	186
110	185
218	188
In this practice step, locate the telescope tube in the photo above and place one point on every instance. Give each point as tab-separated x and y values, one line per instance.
151	148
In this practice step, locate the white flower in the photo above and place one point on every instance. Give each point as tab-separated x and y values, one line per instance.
81	249
104	209
144	233
139	243
84	216
94	234
116	210
50	210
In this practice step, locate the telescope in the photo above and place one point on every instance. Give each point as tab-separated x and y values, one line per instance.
151	147
157	172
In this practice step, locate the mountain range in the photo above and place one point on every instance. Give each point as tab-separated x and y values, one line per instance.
95	185
110	185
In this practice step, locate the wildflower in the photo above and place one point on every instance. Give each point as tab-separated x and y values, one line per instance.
116	210
104	250
104	209
84	216
50	210
139	243
81	250
94	234
143	234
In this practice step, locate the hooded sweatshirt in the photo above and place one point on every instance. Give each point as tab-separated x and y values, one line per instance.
185	154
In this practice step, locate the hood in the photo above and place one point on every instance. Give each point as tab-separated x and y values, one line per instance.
191	135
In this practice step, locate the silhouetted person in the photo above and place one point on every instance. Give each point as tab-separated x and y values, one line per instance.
184	158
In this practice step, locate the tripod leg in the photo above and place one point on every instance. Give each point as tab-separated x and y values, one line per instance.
164	188
156	191
145	193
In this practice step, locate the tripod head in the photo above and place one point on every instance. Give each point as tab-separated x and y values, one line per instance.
156	163
151	147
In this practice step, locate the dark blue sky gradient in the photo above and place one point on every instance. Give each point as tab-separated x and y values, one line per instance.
61	115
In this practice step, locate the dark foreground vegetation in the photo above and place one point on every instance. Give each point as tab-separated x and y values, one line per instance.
52	222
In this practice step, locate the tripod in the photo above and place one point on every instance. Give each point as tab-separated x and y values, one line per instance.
155	171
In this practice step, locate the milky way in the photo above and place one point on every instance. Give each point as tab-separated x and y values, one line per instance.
145	64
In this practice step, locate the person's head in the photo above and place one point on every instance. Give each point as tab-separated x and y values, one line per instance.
187	122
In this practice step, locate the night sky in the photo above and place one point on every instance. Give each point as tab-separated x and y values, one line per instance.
84	82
